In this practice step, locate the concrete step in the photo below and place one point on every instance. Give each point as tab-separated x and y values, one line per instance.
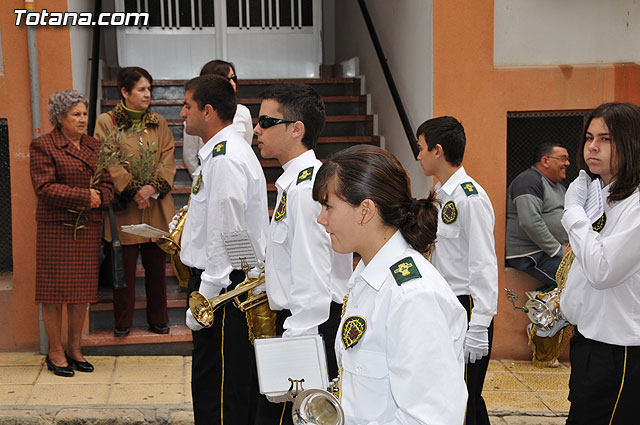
251	88
334	105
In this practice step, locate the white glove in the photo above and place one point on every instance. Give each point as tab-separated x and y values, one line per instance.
191	322
476	343
278	398
208	291
577	192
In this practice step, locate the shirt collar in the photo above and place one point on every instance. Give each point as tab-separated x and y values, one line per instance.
375	273
293	166
453	182
207	149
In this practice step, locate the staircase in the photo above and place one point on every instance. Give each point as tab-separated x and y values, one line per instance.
347	123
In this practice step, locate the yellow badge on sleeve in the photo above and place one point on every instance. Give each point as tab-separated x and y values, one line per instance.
405	270
281	212
196	187
305	174
219	149
469	188
352	330
598	225
449	213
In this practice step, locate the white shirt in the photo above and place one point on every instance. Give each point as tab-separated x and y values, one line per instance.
232	196
408	366
303	274
465	252
192	144
602	292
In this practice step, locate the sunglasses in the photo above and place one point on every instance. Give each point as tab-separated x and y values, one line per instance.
234	79
266	121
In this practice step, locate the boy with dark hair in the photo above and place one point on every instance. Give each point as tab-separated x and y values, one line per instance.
464	251
305	279
228	195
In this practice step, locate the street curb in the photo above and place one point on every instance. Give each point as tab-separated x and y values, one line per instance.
97	416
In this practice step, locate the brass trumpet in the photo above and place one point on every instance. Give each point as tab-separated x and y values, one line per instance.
261	320
171	245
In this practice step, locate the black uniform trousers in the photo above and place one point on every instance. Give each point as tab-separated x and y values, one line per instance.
224	382
474	374
604	387
270	413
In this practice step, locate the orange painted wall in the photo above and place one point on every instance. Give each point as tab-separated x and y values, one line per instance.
469	87
18	311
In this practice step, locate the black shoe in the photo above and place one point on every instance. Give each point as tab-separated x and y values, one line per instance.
59	370
79	366
159	329
121	332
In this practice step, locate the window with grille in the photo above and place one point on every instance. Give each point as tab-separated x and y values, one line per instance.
6	258
526	130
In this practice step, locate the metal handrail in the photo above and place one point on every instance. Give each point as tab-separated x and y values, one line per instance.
390	82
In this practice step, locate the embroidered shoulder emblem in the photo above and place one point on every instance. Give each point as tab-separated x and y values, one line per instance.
449	213
196	187
305	174
219	149
405	270
281	212
598	225
352	330
469	188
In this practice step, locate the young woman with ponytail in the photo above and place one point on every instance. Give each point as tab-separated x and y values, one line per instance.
400	341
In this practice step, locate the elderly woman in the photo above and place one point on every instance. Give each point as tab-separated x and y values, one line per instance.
144	184
67	255
241	120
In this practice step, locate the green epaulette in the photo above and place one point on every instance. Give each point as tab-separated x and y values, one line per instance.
305	174
219	149
469	189
405	270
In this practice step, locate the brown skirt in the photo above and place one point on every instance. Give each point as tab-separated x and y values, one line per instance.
67	269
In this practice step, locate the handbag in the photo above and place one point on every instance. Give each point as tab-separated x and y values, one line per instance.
112	259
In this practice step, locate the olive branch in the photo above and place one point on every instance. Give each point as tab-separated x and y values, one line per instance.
109	155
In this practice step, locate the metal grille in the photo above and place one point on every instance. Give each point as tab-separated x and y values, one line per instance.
526	130
240	13
6	258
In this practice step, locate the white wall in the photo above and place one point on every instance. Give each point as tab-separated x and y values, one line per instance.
404	28
80	48
566	32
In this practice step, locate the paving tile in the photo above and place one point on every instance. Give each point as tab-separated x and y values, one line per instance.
24	359
502	381
19	374
68	394
14	395
103	373
556	400
496	420
545	381
149	360
525	366
147	394
149	373
496	366
534	420
513	401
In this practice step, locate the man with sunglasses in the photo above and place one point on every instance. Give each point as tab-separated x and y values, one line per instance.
227	195
535	238
305	279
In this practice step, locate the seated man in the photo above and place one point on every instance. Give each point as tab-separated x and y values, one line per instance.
535	237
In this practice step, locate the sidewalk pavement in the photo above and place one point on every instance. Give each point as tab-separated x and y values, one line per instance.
138	390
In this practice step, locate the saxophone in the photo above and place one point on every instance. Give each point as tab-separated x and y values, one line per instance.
171	245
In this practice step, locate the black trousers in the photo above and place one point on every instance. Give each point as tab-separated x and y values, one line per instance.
474	376
224	382
270	413
604	387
